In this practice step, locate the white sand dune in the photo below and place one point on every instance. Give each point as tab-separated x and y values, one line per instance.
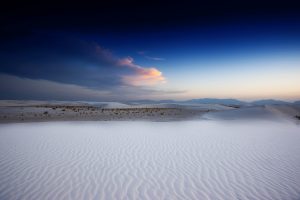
150	160
112	105
284	110
268	112
184	105
118	105
246	113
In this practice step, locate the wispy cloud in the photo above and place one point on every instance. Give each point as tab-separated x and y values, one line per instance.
154	58
144	54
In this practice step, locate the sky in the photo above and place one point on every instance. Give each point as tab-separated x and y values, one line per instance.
119	51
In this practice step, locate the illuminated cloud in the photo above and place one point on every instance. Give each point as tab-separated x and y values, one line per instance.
142	76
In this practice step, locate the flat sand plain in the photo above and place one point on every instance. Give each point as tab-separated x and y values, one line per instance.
204	159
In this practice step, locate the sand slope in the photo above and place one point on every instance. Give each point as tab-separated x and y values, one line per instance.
150	160
267	112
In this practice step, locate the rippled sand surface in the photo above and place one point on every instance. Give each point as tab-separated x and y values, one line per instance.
150	160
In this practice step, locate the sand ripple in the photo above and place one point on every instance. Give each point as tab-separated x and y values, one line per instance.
151	160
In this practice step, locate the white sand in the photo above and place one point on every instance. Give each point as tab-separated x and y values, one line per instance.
36	111
150	160
111	105
269	112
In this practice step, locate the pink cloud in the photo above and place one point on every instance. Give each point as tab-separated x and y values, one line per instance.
126	62
142	76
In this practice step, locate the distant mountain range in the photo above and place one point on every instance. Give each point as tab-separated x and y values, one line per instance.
218	101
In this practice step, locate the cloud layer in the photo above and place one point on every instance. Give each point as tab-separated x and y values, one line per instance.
80	68
14	87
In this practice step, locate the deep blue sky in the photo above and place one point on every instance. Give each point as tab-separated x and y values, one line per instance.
150	50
